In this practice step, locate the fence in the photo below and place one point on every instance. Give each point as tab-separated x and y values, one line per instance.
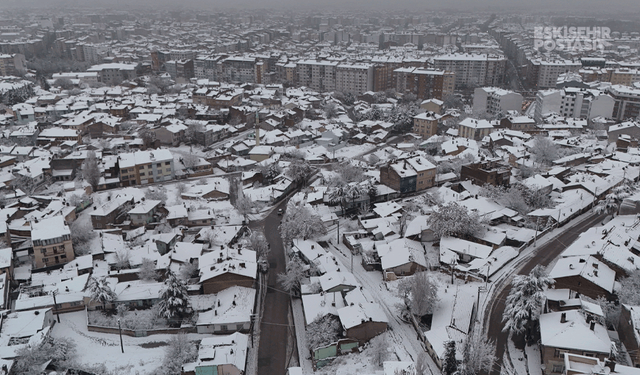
138	332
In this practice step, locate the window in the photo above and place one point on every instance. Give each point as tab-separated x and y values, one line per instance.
558	369
223	327
142	174
167	163
43	250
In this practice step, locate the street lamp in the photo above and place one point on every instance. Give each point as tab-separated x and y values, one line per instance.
120	331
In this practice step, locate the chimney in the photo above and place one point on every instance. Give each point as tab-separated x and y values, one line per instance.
563	317
592	326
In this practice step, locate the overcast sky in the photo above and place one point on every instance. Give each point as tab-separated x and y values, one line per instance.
567	7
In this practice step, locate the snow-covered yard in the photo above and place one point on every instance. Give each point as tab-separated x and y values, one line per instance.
142	355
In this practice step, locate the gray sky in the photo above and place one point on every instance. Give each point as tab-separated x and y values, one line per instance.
567	7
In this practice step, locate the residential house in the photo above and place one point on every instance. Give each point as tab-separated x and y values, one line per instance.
230	312
584	274
227	267
114	211
145	212
570	332
363	321
220	355
491	172
51	239
402	257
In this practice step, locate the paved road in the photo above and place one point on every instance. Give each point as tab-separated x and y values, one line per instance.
544	255
274	330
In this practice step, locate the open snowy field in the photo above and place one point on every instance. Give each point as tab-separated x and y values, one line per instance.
142	355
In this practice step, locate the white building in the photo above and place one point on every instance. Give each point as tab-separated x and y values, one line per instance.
473	69
548	71
493	101
573	103
354	78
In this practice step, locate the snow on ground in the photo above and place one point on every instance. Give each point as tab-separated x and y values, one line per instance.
141	354
533	359
353	151
401	336
518	360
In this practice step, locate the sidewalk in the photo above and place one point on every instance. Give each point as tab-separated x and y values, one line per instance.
303	352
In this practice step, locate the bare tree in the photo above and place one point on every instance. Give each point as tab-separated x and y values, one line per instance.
148	270
629	292
331	110
63	83
290	280
245	205
81	236
157	193
179	351
300	222
379	350
420	293
478	354
91	170
544	150
25	184
258	243
123	259
190	161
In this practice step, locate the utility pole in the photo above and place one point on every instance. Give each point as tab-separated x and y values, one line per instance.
120	330
338	231
55	305
535	239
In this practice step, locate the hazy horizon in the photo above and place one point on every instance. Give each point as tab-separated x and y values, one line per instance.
567	7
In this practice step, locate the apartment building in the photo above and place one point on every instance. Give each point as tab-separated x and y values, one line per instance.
408	175
493	101
317	75
472	70
625	76
354	78
425	83
574	102
114	73
239	69
626	102
474	129
426	124
52	245
544	74
12	64
145	167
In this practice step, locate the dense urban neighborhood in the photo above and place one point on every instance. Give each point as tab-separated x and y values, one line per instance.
202	192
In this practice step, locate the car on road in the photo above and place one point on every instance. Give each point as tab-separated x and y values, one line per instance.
280	211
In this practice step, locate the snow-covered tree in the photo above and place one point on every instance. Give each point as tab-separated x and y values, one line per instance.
179	351
611	203
290	280
188	270
331	110
323	331
259	244
452	219
300	222
449	362
157	193
298	171
123	259
81	235
611	312
525	301
174	302
24	183
101	291
349	172
91	170
345	193
544	150
60	351
420	293
629	292
478	354
379	349
245	205
190	160
148	270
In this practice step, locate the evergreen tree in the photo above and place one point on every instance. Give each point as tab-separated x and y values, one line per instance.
450	365
524	302
101	291
174	299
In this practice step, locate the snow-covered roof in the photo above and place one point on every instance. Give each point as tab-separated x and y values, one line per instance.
574	333
352	316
